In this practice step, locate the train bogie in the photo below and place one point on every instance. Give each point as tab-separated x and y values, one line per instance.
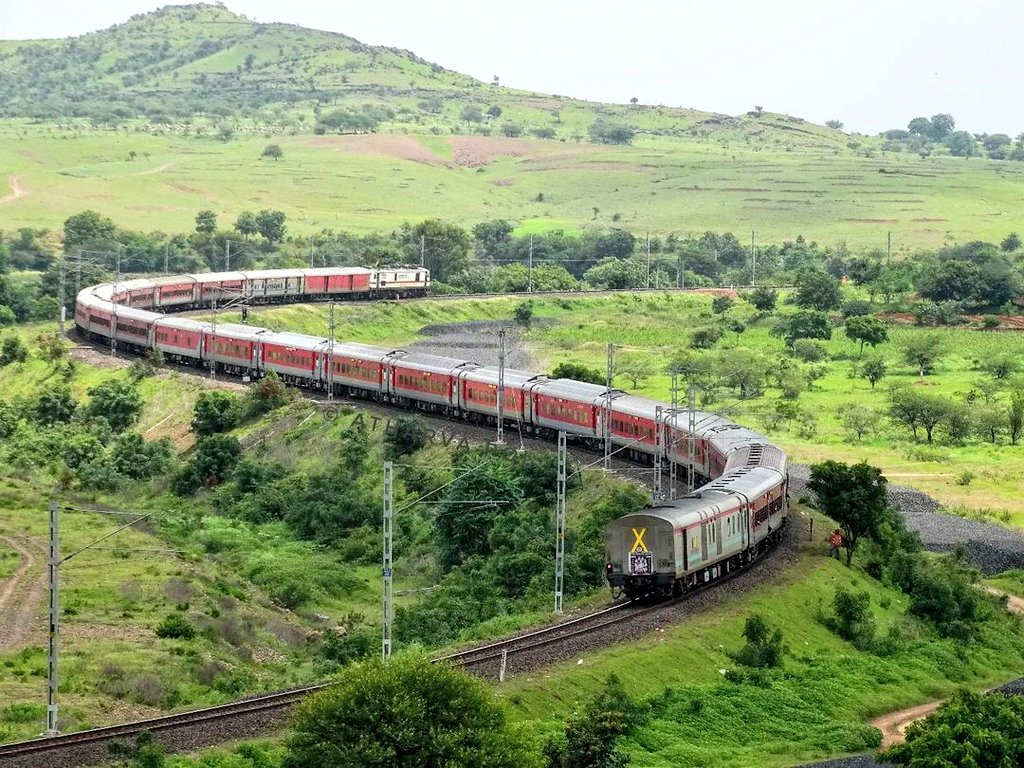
429	381
292	356
179	338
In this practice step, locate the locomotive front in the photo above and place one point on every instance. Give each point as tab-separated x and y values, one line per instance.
640	554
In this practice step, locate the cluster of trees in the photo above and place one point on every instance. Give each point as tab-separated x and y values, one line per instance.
922	133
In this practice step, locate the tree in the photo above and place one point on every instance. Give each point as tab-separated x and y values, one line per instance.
471	114
962	144
763	648
922	127
634	369
764	298
721	304
86	228
54	406
968	730
616	273
817	290
1011	242
206	222
591	736
949	281
246	224
997	144
918	410
215	457
923	351
706	337
874	370
445	247
866	329
577	372
942	126
215	411
116	401
523	314
13	350
853	495
407	435
605	132
511	130
836	125
405	712
807	324
273	151
494	111
859	420
271	225
1016	415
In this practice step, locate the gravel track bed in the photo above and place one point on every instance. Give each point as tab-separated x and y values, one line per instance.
991	548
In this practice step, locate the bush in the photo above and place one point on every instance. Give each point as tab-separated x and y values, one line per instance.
13	350
407	435
176	626
215	411
852	619
523	314
763	648
810	350
705	338
117	402
578	372
721	304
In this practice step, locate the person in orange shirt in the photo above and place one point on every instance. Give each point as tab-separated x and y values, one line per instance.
835	541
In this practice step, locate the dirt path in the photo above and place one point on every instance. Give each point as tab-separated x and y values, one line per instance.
16	190
21	597
894	724
151	171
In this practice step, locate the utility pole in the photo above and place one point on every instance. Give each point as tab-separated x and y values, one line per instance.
753	260
608	410
691	443
227	255
78	273
529	269
167	257
673	467
113	321
888	248
387	571
62	309
330	351
658	448
500	440
213	361
560	523
423	249
53	648
310	255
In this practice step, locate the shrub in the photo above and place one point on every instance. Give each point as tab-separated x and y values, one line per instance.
810	350
523	314
13	350
407	435
721	304
215	411
116	401
852	619
763	648
705	338
176	626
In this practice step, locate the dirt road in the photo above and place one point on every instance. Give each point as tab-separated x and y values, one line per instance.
21	597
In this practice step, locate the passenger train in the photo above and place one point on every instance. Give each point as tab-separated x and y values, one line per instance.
735	514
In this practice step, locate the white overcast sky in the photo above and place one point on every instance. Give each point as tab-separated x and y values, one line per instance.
873	64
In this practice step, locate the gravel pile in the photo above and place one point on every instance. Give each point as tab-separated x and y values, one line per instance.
476	341
991	548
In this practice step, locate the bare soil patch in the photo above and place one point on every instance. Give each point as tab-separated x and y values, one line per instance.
17	190
379	144
476	151
21	596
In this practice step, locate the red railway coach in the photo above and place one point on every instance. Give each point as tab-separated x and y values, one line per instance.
478	393
293	356
179	337
333	282
225	287
133	326
232	348
176	291
357	368
140	293
633	423
573	406
428	380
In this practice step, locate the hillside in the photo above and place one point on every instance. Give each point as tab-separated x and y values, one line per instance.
203	60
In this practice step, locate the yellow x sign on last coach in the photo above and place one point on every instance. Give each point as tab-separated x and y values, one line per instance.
638	540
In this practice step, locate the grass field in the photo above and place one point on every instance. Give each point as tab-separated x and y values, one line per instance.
376	182
652	329
818	707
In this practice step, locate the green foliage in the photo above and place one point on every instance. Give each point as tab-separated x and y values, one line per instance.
873	369
206	222
246	224
764	646
764	298
866	329
270	224
591	737
407	435
852	619
405	712
273	151
13	350
215	457
805	324
54	405
350	642
859	420
176	626
854	496
523	314
117	402
577	372
616	273
705	338
445	247
266	395
607	132
215	411
919	410
138	459
721	304
817	290
969	729
87	228
810	350
923	352
942	592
